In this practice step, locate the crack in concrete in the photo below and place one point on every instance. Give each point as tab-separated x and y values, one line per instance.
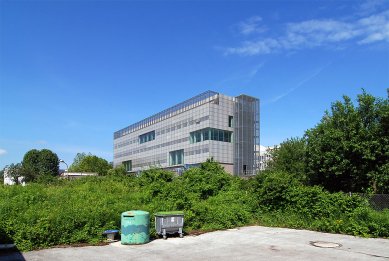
373	255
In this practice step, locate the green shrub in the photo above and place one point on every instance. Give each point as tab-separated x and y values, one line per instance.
364	221
65	212
272	189
40	215
283	201
207	181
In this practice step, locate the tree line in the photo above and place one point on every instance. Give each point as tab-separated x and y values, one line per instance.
43	165
348	150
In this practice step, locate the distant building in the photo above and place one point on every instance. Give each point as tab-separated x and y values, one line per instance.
264	156
8	180
77	175
209	125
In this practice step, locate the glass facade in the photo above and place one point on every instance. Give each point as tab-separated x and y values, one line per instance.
147	137
230	121
127	165
210	134
176	157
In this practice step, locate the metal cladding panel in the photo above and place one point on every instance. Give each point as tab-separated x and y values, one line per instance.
170	135
246	135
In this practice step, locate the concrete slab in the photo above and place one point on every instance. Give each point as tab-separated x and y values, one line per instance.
246	243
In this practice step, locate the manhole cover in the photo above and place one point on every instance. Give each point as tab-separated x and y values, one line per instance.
325	244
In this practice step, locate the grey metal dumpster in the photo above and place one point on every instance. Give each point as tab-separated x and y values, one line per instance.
169	222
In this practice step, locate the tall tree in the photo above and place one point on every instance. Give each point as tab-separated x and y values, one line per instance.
90	163
289	157
40	163
49	163
31	164
349	149
77	161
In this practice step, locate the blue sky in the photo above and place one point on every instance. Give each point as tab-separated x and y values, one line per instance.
73	72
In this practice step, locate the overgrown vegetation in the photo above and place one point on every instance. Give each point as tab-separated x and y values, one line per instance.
347	151
290	157
66	212
90	163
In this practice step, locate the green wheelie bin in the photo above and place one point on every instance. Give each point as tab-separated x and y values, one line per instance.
135	227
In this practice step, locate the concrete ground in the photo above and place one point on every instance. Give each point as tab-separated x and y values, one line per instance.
246	243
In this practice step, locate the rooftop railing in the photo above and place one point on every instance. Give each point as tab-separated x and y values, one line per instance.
191	103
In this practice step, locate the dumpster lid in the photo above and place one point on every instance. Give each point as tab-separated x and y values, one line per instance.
169	213
135	213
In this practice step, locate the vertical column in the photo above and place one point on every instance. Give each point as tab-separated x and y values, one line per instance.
246	134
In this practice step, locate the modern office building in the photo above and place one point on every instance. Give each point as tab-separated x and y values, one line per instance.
209	125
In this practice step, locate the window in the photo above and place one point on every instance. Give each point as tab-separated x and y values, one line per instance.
176	157
210	134
221	135
197	136
227	137
214	134
206	134
147	137
128	165
230	121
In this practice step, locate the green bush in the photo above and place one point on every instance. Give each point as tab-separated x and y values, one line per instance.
272	189
207	181
78	211
284	201
65	212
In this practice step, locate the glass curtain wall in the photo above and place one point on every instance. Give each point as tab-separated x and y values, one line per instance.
210	134
176	157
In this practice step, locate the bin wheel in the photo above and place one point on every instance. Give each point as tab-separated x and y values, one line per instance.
181	235
164	237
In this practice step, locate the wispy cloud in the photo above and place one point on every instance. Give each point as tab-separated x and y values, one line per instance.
251	25
58	148
74	149
36	143
242	76
315	33
255	70
370	6
299	84
2	152
41	142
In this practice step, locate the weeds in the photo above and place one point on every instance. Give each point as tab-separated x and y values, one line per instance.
69	212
